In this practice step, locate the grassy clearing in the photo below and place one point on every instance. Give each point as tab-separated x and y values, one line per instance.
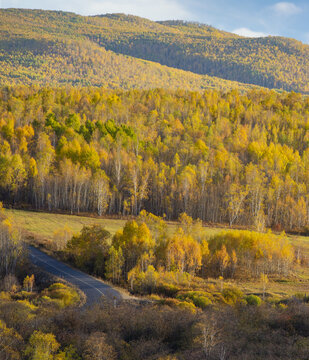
46	224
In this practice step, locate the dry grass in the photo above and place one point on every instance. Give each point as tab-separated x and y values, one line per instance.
45	224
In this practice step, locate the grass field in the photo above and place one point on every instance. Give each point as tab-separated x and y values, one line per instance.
42	226
46	224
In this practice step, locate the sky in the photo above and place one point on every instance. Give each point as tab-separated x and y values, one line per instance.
251	18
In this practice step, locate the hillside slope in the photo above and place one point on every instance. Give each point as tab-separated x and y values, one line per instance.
273	62
82	63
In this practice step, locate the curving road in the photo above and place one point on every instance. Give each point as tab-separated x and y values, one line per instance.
93	288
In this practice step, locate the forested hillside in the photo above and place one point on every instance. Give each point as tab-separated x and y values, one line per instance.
81	63
220	157
44	46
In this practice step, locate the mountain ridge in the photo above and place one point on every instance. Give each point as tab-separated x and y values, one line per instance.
273	62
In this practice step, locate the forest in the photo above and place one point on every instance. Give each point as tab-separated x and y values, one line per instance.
221	157
68	48
49	63
187	177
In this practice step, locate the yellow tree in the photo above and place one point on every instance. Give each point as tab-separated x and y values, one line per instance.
114	264
10	343
186	223
97	347
139	172
42	346
264	281
205	255
256	189
155	223
183	253
61	237
44	157
100	183
175	253
28	283
193	255
135	240
11	247
236	196
222	257
234	261
187	186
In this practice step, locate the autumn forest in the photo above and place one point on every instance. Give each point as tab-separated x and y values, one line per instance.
154	190
222	158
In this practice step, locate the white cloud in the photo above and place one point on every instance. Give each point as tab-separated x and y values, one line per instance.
286	8
248	33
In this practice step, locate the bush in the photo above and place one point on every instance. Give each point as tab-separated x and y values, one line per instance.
198	298
24	295
253	300
201	301
232	295
27	304
187	306
168	290
89	249
5	296
273	300
170	302
65	295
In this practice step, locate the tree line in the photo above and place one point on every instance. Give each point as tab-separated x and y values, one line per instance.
221	157
148	258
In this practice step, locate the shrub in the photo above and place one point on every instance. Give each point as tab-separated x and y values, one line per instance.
28	304
168	290
253	300
187	306
198	298
232	295
201	301
5	296
65	295
282	306
170	302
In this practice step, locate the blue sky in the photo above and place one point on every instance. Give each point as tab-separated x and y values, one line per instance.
245	17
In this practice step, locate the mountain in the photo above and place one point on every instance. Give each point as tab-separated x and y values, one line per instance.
110	50
82	63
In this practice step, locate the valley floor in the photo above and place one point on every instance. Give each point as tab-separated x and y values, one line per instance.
41	229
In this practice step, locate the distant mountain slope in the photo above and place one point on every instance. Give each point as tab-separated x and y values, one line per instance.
273	62
82	63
